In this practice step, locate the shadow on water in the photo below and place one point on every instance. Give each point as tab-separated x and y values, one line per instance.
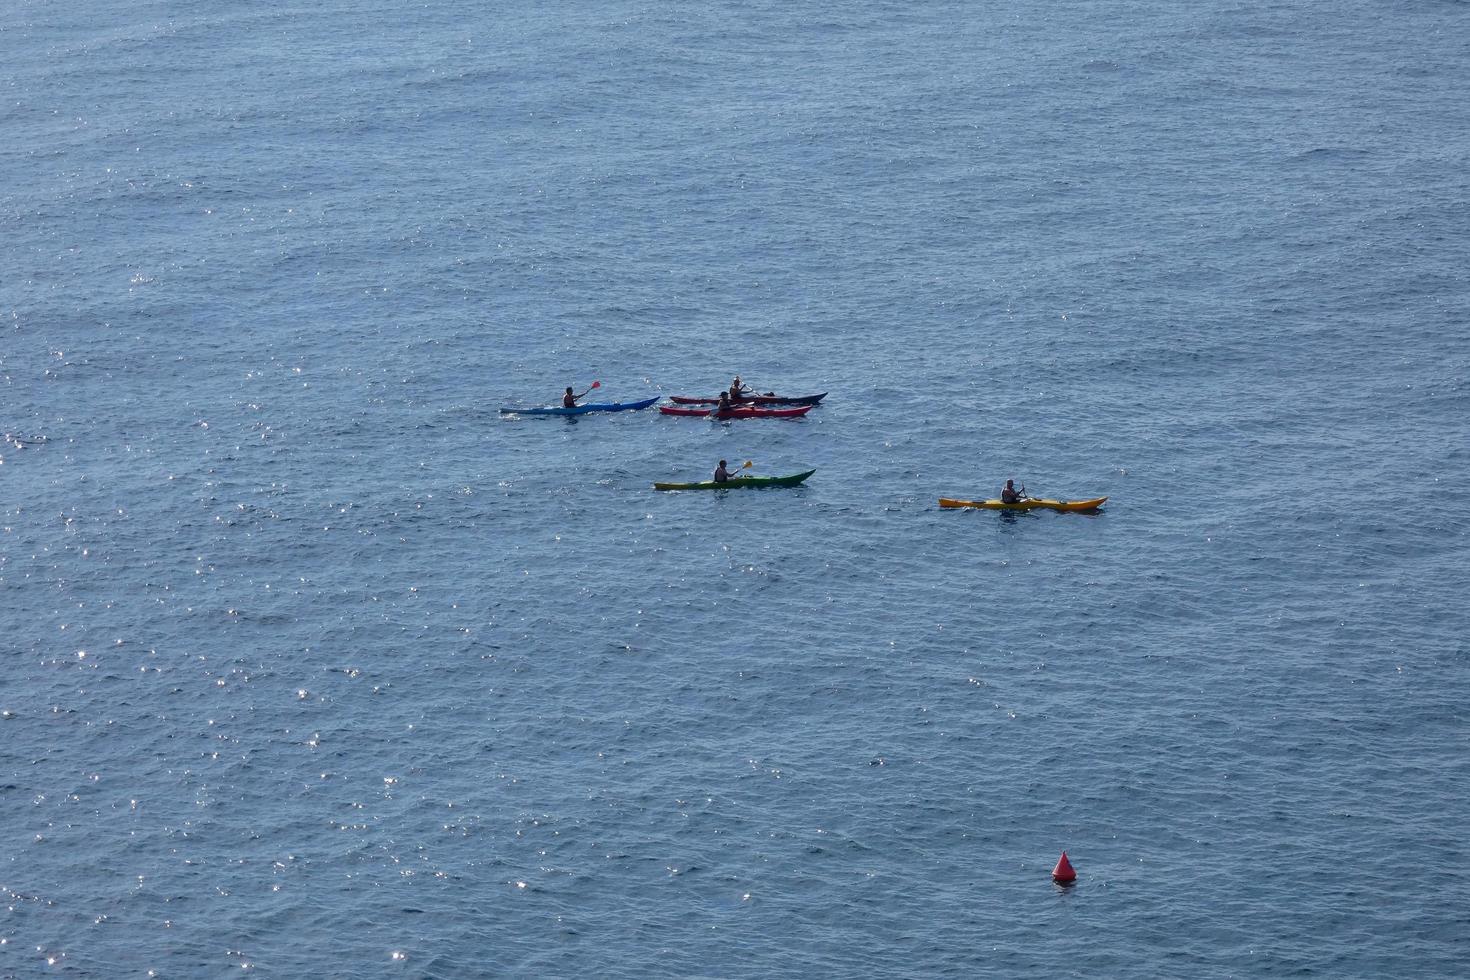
1009	518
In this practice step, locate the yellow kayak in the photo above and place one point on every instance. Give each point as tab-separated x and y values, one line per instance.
1027	504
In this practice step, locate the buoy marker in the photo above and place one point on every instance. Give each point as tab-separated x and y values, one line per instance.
1063	874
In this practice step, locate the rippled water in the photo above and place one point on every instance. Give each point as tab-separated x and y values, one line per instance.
317	663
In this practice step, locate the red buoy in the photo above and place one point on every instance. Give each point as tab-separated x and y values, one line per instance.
1063	874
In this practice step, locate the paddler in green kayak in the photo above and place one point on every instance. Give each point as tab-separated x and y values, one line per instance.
1010	495
722	475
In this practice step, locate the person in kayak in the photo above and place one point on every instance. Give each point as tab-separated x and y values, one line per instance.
738	390
569	400
1010	495
722	475
724	405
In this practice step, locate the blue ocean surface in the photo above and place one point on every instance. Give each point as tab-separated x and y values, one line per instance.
314	663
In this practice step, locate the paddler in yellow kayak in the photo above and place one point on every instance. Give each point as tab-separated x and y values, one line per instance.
1010	495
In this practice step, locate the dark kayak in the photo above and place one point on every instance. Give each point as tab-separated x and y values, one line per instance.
740	483
582	409
740	413
752	400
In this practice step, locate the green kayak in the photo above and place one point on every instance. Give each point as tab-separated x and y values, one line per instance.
739	483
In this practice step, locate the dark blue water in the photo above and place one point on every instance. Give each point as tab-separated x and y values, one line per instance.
315	663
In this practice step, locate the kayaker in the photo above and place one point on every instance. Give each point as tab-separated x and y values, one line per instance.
724	405
1010	495
738	389
722	475
569	400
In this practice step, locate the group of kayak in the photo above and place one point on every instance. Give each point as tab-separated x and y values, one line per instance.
737	402
1010	497
740	402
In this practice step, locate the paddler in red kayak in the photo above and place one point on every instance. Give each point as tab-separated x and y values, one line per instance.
1010	495
724	405
737	389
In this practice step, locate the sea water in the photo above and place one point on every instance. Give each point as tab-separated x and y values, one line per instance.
315	663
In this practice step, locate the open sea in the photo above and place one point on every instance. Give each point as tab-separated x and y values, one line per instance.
314	664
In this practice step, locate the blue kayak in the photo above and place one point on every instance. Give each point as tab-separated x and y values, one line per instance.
582	409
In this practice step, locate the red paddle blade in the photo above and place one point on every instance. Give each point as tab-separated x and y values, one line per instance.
596	384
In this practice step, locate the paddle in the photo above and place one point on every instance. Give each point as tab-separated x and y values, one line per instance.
595	384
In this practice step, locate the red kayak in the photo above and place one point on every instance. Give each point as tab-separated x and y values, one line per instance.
768	399
741	413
